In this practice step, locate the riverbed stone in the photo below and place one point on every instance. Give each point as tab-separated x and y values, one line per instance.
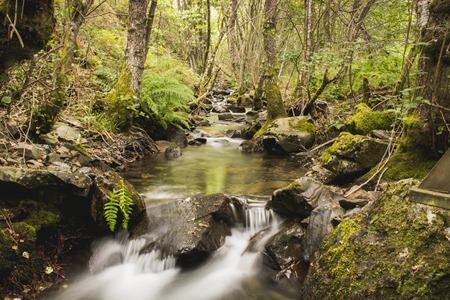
200	228
301	197
289	135
366	120
351	155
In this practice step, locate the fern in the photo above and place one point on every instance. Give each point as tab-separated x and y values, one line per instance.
164	98
105	77
119	200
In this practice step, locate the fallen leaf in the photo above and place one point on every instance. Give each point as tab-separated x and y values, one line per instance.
48	270
15	247
26	254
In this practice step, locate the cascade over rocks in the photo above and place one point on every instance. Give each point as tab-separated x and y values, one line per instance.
289	135
203	224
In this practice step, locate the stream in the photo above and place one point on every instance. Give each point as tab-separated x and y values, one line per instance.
231	272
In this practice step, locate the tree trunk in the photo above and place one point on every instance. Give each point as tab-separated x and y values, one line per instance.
136	42
426	132
434	79
275	106
232	36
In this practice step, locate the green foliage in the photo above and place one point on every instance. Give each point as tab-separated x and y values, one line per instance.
106	77
119	201
163	98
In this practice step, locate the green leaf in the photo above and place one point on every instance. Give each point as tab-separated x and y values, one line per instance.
6	100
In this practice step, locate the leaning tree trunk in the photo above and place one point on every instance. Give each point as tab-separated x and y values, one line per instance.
275	106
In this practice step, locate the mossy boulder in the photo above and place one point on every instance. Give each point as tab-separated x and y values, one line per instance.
351	155
395	249
288	135
365	120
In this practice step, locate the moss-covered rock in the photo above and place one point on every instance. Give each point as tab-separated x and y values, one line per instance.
412	158
365	120
290	135
394	250
353	155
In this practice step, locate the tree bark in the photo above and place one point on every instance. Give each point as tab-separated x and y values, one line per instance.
275	106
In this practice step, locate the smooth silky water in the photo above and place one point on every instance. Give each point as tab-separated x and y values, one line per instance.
119	271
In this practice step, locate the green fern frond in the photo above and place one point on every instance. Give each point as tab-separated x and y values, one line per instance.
165	98
119	200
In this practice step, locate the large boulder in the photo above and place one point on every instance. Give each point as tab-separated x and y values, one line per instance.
365	120
289	135
301	197
396	249
201	227
351	156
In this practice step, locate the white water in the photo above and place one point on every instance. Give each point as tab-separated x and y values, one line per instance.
118	271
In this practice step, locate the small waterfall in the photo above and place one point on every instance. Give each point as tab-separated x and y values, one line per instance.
118	269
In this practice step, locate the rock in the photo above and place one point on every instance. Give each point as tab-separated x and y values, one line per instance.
172	152
285	247
252	115
225	116
162	145
231	133
37	180
33	151
201	140
250	132
200	229
289	135
105	181
178	136
237	109
352	203
365	120
301	197
322	221
250	147
244	100
391	251
351	156
67	133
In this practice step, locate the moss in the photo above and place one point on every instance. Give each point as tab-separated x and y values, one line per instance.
275	107
440	6
232	100
365	120
121	99
36	220
26	230
302	125
80	149
396	250
404	165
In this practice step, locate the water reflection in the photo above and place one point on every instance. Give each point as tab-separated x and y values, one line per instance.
216	167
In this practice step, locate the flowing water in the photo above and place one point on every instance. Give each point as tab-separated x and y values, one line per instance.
119	271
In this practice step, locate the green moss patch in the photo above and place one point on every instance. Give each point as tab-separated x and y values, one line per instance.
365	120
395	250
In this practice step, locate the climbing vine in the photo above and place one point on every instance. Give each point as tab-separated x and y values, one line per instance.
119	200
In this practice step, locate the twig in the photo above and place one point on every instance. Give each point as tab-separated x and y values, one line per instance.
323	145
368	180
14	29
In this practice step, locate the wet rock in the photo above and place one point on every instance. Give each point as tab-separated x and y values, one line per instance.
162	145
172	152
178	136
200	229
301	197
285	248
244	100
250	147
322	221
225	116
289	135
352	203
231	133
351	156
252	115
237	109
250	132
